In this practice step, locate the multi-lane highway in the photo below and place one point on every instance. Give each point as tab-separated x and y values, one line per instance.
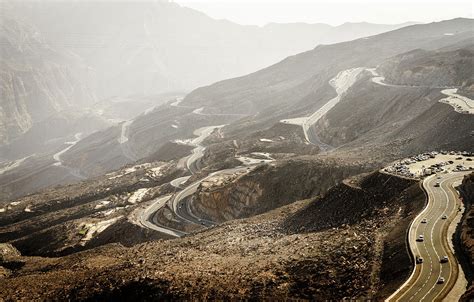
147	218
432	279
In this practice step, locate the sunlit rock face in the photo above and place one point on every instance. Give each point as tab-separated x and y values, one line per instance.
36	81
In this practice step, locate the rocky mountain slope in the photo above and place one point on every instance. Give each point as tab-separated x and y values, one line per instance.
251	107
269	187
296	85
432	68
37	81
299	77
396	120
270	255
80	216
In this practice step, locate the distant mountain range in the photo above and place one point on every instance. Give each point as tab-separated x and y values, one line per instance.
370	119
150	47
108	51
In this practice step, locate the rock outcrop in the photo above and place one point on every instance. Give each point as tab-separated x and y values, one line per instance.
268	187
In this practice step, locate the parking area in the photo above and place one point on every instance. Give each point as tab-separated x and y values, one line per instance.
429	163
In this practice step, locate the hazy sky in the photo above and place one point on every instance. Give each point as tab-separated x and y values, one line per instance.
335	12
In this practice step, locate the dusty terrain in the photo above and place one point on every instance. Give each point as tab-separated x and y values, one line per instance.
293	218
270	255
467	233
70	218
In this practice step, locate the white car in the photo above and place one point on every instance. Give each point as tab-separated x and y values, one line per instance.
444	259
420	238
424	220
444	217
441	280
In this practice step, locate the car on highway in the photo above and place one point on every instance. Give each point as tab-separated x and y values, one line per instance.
441	280
424	220
444	259
444	217
437	184
420	238
419	259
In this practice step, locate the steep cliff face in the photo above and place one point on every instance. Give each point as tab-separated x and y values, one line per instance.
36	81
467	231
269	187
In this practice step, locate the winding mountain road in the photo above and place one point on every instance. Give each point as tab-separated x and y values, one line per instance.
147	218
424	284
57	157
192	162
180	202
341	83
123	141
460	103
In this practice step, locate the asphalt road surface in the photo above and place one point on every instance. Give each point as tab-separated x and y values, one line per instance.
148	218
424	284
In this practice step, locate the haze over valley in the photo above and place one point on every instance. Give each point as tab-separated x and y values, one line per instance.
149	151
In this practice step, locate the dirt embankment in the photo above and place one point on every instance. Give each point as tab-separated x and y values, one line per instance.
378	205
269	187
466	231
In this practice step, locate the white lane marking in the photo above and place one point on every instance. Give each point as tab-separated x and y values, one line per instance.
431	217
414	224
442	246
450	213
